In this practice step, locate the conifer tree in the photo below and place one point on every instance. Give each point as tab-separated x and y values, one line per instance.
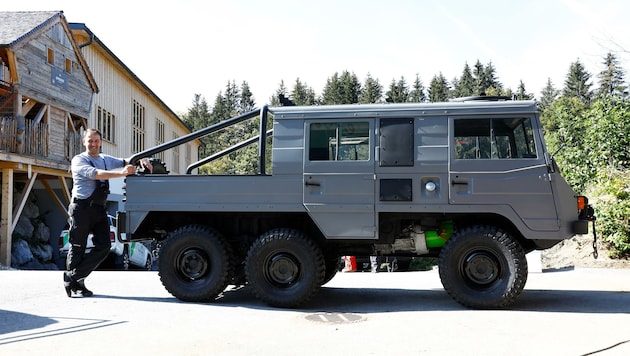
466	83
398	91
246	102
438	89
417	94
577	83
372	91
302	94
611	79
548	95
282	90
522	94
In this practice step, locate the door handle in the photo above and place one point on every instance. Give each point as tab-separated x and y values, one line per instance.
312	184
459	182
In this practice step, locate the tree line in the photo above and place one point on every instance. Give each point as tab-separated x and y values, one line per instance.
586	124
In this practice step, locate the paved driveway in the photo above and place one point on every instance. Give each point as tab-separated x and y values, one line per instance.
404	313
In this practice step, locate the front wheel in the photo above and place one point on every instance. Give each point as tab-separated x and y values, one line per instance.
483	267
195	263
285	268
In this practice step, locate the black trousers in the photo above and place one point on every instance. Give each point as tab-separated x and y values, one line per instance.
85	219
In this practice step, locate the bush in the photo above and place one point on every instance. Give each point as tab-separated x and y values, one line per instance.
611	200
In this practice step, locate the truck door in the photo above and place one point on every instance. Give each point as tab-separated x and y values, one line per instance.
339	177
499	161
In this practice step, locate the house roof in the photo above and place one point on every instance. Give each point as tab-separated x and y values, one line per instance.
18	25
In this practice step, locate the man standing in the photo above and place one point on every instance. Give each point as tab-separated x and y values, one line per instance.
91	171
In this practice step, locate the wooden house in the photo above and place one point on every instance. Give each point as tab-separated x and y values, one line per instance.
56	80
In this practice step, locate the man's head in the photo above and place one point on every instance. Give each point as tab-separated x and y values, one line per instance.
92	142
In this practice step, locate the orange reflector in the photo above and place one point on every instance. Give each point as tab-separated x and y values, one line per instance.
582	202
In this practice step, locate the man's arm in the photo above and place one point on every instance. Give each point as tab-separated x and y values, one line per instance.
103	174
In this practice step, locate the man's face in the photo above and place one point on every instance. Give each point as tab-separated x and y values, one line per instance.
92	144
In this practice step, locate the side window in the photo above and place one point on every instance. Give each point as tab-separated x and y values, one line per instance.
504	138
344	141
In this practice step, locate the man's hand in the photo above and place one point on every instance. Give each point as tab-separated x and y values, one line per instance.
129	169
146	164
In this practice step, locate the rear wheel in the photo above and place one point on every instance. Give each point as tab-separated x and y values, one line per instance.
285	268
483	267
195	263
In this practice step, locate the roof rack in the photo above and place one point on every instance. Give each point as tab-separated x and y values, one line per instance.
482	98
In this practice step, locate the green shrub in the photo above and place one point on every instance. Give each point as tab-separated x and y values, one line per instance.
611	200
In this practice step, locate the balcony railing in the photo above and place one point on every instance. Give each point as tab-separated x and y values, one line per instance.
35	137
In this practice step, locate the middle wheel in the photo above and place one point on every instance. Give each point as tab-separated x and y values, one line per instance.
285	268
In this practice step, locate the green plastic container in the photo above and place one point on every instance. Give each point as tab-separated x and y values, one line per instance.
435	240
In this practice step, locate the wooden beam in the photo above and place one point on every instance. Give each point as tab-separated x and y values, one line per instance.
65	188
63	207
40	114
23	199
6	231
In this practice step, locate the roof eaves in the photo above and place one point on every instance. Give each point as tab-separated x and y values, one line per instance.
83	27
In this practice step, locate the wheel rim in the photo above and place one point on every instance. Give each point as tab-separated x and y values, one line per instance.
481	268
193	264
282	269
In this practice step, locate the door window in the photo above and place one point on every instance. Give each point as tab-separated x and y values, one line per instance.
498	138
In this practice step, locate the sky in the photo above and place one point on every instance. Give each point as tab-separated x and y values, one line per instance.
183	48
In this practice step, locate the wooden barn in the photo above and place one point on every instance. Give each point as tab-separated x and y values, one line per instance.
57	79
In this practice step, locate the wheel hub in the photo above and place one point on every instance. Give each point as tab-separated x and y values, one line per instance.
193	264
481	268
283	269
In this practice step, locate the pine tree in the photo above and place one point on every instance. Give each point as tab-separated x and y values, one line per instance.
398	91
331	92
247	102
522	93
466	83
479	75
417	94
302	94
372	91
282	90
577	83
438	89
491	82
350	88
611	79
548	95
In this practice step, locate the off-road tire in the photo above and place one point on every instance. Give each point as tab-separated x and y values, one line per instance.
483	267
195	263
284	268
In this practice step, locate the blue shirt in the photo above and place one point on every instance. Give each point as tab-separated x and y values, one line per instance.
84	171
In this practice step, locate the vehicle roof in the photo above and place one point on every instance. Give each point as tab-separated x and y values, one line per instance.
404	109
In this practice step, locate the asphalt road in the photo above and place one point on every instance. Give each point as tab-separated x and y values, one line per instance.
577	312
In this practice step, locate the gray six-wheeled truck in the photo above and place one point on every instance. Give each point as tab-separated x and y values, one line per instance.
469	182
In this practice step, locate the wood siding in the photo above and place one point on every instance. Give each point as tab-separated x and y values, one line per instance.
118	90
71	91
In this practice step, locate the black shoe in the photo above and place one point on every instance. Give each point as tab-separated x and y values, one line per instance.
80	288
68	283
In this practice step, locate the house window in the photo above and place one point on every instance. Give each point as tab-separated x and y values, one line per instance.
51	56
137	128
175	155
68	65
188	154
159	137
106	124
